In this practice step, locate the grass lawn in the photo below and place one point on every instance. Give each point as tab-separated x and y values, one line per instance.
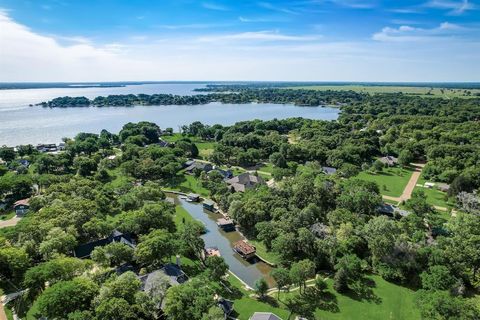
263	252
118	178
187	184
8	215
391	181
420	91
205	148
435	197
181	215
385	301
266	167
245	306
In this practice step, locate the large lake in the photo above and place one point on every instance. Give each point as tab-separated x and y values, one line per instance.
22	124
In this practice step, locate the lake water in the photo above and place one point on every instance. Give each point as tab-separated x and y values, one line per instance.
21	124
249	272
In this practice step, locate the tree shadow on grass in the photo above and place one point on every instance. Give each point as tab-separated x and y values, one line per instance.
363	291
269	300
322	300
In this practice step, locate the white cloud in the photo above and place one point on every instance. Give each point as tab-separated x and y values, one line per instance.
256	36
407	33
454	7
264	55
214	6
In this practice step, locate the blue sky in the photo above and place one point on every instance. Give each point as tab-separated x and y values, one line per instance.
304	40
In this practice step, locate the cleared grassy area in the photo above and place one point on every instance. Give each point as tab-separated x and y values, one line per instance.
263	252
245	306
391	181
420	91
382	300
435	197
266	167
187	184
181	217
205	148
118	178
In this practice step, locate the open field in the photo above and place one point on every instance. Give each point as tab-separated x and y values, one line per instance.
391	181
420	91
384	301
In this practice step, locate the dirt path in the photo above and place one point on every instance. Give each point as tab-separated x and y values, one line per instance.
407	192
10	222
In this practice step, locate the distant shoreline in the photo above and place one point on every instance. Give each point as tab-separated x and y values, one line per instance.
118	84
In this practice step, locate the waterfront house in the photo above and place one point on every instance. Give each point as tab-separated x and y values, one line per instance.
392	210
226	174
24	162
193	197
21	207
244	249
85	250
47	147
329	170
209	205
226	224
389	161
199	166
226	306
173	271
244	181
264	316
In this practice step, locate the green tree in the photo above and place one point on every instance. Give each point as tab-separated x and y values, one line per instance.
155	248
282	278
216	267
301	271
214	313
57	242
112	308
113	254
261	288
189	301
65	297
438	278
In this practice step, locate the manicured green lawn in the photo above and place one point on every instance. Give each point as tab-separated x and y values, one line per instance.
205	148
263	252
245	306
391	181
267	167
385	301
181	215
435	197
187	184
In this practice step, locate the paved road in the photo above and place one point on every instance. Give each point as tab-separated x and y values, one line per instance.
10	222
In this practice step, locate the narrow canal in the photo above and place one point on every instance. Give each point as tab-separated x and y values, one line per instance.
247	271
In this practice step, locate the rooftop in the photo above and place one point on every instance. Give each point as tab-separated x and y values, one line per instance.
264	316
244	247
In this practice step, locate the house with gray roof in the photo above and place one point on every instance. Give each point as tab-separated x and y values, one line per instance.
264	316
245	181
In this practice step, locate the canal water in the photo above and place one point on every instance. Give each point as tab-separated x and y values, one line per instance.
247	271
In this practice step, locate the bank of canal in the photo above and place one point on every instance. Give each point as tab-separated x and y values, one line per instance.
247	271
